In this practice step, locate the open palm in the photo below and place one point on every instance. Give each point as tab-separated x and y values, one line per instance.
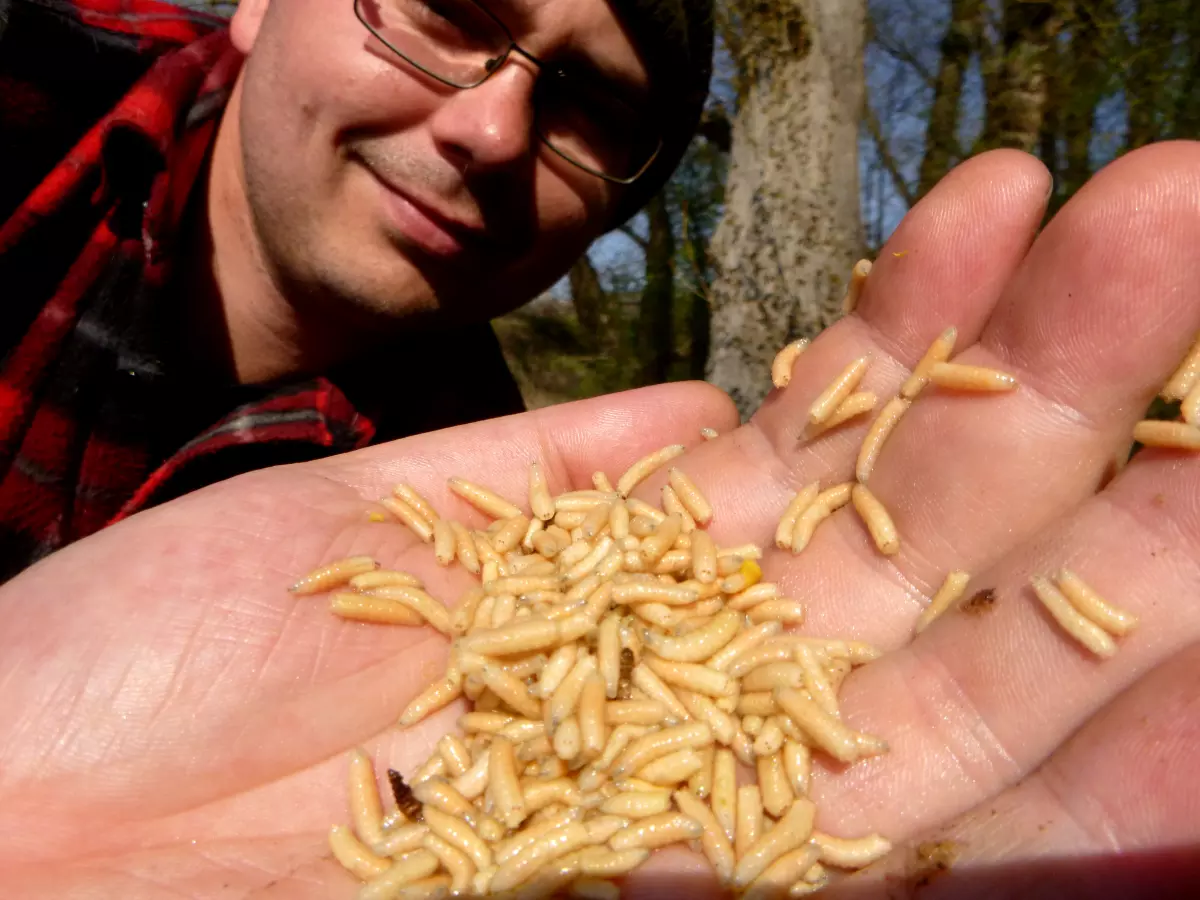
173	723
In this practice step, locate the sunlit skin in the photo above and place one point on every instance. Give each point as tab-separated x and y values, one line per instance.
174	723
351	194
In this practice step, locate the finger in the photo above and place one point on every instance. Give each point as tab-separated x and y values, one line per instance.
982	698
952	256
959	246
1110	284
946	264
1093	821
967	477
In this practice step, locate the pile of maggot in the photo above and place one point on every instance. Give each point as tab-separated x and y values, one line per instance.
632	685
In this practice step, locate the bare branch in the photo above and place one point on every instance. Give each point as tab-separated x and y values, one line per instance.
716	128
942	147
885	155
905	56
628	231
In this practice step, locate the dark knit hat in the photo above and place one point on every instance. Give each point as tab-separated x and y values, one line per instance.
675	40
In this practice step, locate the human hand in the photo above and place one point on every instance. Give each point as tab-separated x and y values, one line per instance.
174	723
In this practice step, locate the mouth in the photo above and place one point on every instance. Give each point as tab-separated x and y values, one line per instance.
421	224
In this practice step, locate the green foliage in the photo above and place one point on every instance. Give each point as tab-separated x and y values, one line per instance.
548	353
554	359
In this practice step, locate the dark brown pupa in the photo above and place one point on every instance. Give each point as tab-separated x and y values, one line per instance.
624	688
405	801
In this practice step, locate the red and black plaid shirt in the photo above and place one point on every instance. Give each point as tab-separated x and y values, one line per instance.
108	111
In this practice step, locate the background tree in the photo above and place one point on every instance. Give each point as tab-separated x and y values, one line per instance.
798	169
656	325
790	230
959	44
1015	73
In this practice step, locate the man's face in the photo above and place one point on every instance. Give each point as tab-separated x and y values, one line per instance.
370	182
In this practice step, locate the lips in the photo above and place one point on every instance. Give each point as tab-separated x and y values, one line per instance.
421	225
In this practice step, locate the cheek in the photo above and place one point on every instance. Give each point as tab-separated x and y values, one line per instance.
568	211
322	83
569	206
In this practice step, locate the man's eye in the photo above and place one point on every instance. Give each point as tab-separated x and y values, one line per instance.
439	9
448	18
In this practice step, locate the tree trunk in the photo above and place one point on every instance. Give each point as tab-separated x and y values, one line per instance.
941	138
1017	101
1185	117
656	336
1144	73
701	316
791	231
1162	73
596	330
1082	78
1055	113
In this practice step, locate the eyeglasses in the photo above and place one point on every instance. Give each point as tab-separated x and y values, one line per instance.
461	44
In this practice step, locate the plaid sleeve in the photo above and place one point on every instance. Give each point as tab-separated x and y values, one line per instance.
63	65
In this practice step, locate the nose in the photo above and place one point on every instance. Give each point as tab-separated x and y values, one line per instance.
489	126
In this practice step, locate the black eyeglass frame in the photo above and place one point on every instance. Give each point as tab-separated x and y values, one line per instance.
491	67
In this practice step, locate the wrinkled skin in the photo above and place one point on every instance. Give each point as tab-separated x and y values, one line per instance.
174	724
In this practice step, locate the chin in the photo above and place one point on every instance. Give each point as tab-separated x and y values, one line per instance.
369	269
380	286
